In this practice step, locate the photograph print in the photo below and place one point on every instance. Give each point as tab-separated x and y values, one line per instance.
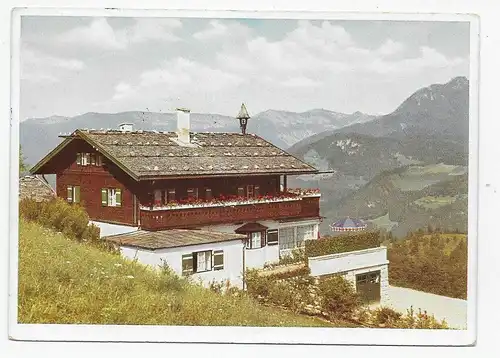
237	171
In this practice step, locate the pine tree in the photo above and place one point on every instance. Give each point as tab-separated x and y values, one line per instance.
23	167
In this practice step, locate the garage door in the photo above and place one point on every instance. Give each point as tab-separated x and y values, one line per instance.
368	286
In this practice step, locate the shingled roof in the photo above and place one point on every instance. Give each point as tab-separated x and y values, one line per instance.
31	187
155	240
152	154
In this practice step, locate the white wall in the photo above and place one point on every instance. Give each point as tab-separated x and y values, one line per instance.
256	258
347	261
354	263
113	229
233	260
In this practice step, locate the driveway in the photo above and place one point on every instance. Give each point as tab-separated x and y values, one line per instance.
453	310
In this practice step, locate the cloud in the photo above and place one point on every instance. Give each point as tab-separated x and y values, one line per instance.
99	33
215	29
301	82
429	59
123	90
390	47
318	63
179	77
37	66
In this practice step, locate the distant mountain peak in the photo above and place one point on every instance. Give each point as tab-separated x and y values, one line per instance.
458	82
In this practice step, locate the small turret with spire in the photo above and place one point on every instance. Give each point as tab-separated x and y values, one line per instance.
243	117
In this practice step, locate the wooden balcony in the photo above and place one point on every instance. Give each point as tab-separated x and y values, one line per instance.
222	213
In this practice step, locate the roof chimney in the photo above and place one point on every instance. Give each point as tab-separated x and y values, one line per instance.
183	125
126	127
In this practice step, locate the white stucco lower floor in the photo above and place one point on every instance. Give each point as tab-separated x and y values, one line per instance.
453	310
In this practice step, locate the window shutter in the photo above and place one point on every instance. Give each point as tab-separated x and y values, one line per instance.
104	197
218	260
70	194
76	190
118	197
262	239
79	158
272	237
187	264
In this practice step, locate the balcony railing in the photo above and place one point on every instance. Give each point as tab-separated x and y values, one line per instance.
230	210
233	200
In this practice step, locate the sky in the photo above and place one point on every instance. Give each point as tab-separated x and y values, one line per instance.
74	65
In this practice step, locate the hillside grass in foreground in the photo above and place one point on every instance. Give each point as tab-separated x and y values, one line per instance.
66	282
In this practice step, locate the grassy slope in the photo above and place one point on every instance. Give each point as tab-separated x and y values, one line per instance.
61	281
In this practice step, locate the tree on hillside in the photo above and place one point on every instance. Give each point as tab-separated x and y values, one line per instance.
23	166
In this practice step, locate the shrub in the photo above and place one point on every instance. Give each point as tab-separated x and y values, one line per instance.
420	320
383	315
70	220
338	297
295	272
257	285
343	243
295	256
216	286
293	292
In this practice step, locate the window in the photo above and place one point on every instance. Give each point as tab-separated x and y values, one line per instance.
187	264
73	194
249	191
218	260
157	197
170	195
98	160
83	158
305	232
192	193
287	238
241	191
256	191
208	194
272	237
88	159
255	240
111	197
203	261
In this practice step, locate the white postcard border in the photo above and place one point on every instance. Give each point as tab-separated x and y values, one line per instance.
246	334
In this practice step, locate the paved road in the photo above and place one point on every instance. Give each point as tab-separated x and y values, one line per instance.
453	310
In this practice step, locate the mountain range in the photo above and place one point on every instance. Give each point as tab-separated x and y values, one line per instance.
428	130
398	171
39	135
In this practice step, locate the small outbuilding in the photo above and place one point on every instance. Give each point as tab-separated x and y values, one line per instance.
33	187
204	255
348	225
